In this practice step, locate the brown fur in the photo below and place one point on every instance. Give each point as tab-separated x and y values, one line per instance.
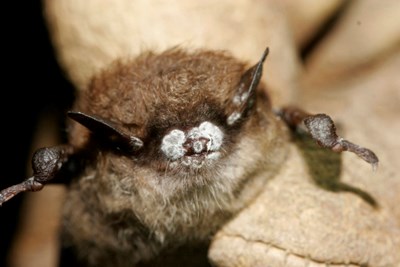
127	209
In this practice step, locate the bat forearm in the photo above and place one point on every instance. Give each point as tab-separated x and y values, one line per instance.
323	130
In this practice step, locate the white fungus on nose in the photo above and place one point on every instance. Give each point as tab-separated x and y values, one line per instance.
198	146
172	143
213	133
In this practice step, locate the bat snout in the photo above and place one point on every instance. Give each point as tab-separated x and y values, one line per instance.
196	146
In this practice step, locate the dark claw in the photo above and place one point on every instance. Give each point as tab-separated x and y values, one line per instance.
323	130
46	163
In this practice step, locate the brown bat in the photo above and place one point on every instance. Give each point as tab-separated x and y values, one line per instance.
164	149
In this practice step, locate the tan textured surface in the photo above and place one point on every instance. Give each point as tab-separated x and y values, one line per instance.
91	33
298	223
367	32
305	17
297	220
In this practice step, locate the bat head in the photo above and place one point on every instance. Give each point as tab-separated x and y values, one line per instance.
175	112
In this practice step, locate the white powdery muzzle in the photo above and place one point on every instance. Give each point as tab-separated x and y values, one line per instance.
193	147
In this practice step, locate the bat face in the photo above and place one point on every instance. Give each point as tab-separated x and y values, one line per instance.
176	113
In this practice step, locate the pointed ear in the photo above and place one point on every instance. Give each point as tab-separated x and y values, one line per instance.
246	91
103	128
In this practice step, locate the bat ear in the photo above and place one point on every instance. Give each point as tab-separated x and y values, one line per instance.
246	91
103	128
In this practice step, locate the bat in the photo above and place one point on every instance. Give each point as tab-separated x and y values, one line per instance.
164	149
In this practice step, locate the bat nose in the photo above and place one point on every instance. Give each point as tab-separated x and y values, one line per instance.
196	145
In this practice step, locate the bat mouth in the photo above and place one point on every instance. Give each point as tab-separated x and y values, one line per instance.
197	161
